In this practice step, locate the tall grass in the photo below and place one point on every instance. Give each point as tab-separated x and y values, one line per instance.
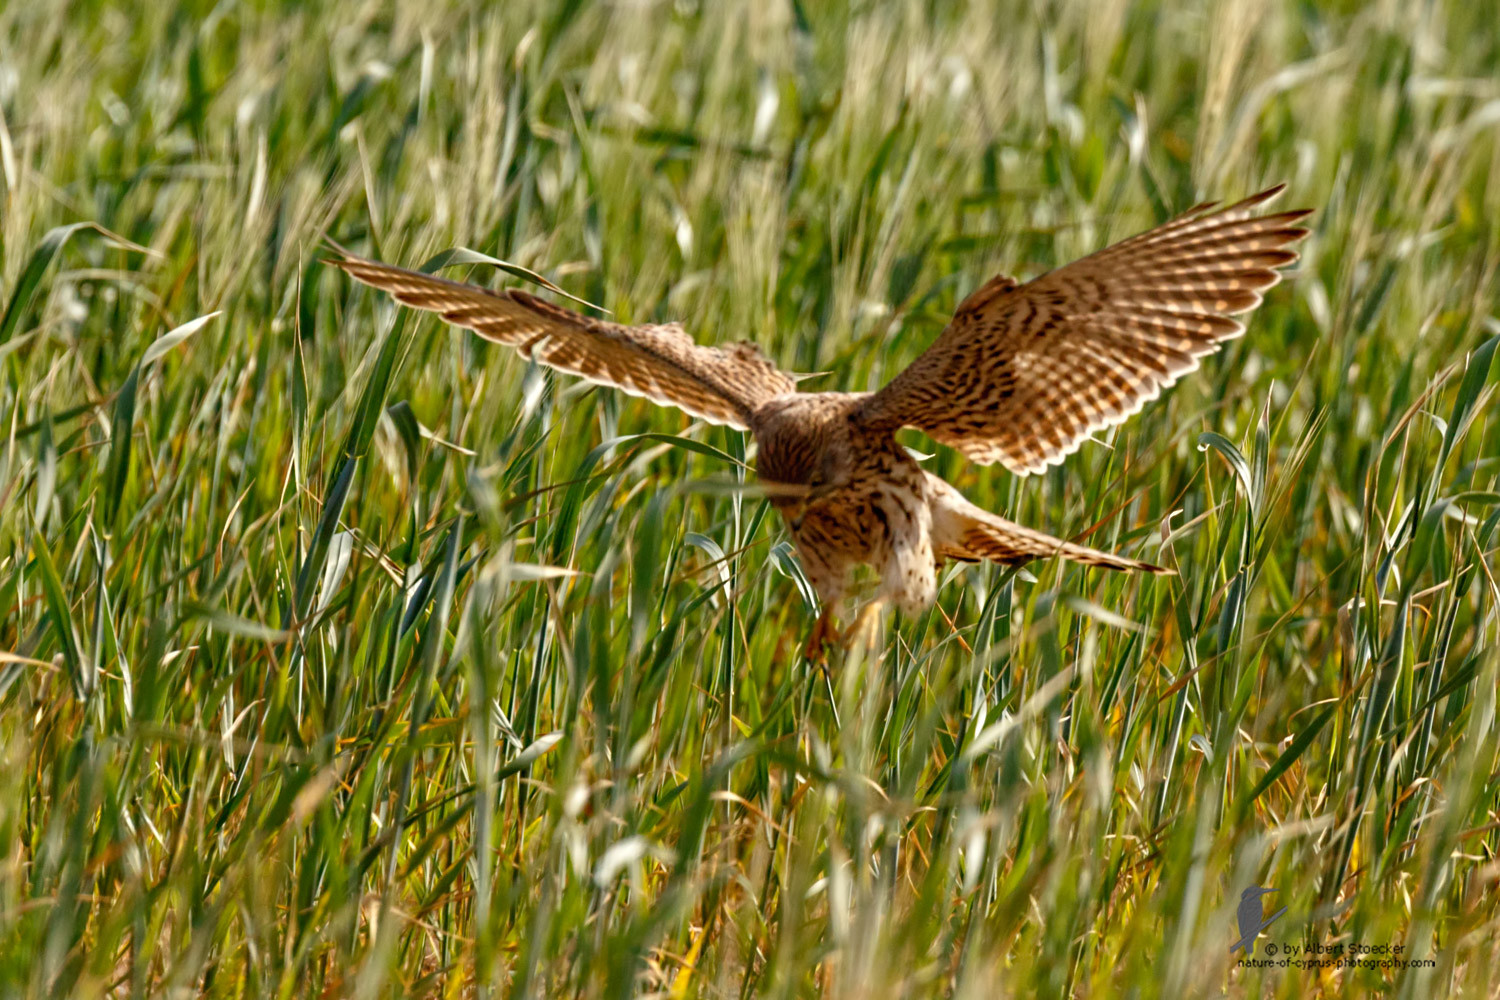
345	655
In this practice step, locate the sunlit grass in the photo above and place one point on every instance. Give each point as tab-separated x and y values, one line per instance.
341	654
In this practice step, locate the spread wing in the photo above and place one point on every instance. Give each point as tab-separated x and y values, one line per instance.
1024	373
722	385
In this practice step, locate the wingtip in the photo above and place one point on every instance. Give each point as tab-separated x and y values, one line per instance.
1270	193
1257	199
346	260
344	252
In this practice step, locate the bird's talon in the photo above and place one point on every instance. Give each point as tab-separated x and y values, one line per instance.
824	634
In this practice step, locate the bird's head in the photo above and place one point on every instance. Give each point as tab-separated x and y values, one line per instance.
833	470
829	472
1255	892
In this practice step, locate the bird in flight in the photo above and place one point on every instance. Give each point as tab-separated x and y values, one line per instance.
1021	375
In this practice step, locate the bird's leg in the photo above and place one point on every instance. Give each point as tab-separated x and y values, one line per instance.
824	633
865	629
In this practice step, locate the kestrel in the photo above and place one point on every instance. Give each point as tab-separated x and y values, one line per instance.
1021	375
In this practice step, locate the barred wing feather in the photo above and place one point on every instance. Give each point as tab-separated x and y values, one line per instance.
1024	373
721	385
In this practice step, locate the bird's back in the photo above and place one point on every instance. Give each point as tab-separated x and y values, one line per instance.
792	432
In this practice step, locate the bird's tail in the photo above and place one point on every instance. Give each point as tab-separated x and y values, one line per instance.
968	533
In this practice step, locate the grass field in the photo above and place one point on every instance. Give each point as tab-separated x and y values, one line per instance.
345	655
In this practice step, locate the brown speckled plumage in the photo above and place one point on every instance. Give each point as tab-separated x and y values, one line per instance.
722	385
1021	375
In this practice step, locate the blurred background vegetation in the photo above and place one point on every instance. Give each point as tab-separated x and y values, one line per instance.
347	655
